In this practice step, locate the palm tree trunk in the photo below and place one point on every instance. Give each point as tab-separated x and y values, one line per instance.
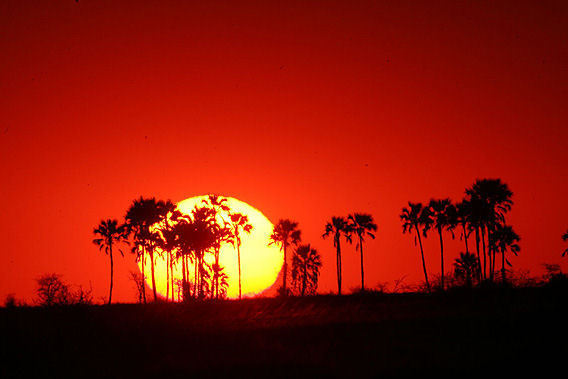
111	274
153	277
143	273
305	279
422	254
167	277
503	267
239	262
215	281
338	264
484	252
465	238
362	270
478	253
285	271
441	258
172	276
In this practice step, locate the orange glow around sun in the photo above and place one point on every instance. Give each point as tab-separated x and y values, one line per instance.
260	263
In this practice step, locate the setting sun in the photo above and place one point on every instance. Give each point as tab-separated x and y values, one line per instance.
260	263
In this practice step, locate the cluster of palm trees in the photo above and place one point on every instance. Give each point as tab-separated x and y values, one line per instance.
306	261
482	212
359	225
155	227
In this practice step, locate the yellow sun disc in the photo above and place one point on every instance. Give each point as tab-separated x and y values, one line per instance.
260	263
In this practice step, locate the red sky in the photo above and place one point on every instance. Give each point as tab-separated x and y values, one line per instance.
305	110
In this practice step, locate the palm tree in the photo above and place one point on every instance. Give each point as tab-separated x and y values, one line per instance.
338	226
440	219
218	206
140	217
167	211
505	239
565	238
414	217
285	233
201	236
362	224
491	199
306	263
466	267
109	233
239	222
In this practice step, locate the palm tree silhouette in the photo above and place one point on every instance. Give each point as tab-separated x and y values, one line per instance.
362	224
306	263
440	219
565	238
505	239
218	206
490	199
414	217
338	226
201	238
142	214
239	222
466	267
169	243
285	233
109	233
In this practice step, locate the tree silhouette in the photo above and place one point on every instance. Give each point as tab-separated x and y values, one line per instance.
239	222
440	215
565	239
109	233
142	214
166	212
466	267
219	207
168	243
306	263
338	227
505	239
51	290
363	225
415	217
490	200
285	233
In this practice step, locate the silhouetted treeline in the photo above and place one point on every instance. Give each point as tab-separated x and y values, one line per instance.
480	215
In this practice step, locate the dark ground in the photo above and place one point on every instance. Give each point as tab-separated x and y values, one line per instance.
459	334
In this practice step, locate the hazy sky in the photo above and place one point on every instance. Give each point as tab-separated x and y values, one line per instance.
304	110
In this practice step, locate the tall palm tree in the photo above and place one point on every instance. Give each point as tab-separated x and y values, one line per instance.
414	217
285	233
491	200
505	239
466	267
338	226
363	225
140	217
565	238
440	219
109	233
165	212
219	209
306	264
239	222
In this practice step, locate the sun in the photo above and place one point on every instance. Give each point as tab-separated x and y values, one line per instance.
260	262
